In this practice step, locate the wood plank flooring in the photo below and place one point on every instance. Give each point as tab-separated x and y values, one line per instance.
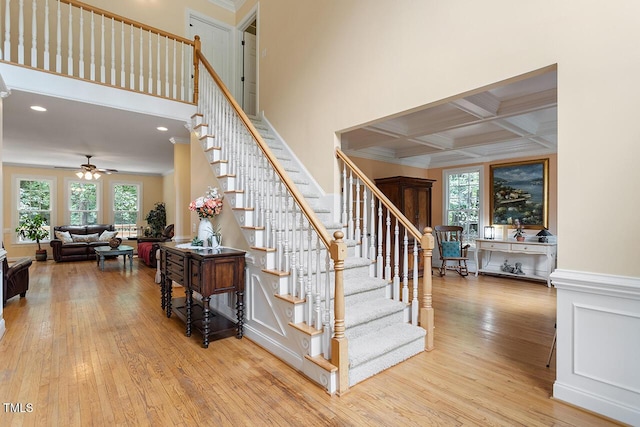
87	347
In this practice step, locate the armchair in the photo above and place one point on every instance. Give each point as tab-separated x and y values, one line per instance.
147	246
15	278
451	249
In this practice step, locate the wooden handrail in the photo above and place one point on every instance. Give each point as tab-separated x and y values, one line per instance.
385	201
295	193
120	18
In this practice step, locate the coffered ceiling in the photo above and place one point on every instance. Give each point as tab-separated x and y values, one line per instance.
516	119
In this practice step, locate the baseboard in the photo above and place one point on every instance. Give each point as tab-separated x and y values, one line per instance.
3	327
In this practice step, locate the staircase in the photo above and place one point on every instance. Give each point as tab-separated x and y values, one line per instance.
376	327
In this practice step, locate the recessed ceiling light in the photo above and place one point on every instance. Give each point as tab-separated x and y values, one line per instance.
38	108
162	128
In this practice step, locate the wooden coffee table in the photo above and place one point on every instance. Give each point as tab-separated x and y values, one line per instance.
124	250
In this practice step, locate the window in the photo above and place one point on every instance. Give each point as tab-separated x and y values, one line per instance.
83	202
463	195
34	196
126	208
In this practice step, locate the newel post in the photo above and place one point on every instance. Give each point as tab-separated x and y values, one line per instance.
339	344
426	309
196	68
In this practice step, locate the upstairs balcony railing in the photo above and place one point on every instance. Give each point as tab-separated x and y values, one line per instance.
81	41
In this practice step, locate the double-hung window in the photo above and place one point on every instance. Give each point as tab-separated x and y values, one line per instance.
34	196
463	196
126	208
83	202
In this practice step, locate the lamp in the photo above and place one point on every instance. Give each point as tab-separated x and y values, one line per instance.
88	175
543	235
489	232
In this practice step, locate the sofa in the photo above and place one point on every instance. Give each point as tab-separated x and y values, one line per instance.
15	278
78	242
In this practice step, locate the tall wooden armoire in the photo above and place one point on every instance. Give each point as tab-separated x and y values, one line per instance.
413	197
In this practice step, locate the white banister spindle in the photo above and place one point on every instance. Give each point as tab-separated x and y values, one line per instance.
387	248
46	57
365	238
405	267
21	32
279	243
328	333
182	72
318	316
150	65
112	73
81	47
294	255
141	68
310	294
58	40
70	44
174	93
103	67
123	76
92	64
7	31
345	192
372	237
301	258
358	232
167	93
132	75
287	247
414	300
158	62
379	259
350	207
396	262
34	35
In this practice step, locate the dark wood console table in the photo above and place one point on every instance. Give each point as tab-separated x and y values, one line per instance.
208	272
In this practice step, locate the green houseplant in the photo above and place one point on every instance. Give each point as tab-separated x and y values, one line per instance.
157	220
32	228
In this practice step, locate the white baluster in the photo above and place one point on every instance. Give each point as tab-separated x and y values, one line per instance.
158	76
365	238
396	262
46	58
358	232
350	207
287	213
294	258
167	93
81	48
405	267
379	259
414	301
328	333
92	65
112	74
279	215
132	75
301	288
345	193
70	44
175	86
372	238
141	67
123	76
7	31
387	249
21	32
310	294
150	65
34	36
58	40
318	317
182	72
103	67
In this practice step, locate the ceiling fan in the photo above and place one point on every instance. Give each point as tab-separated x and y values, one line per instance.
89	171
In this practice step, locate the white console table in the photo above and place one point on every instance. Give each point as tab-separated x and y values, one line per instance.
538	259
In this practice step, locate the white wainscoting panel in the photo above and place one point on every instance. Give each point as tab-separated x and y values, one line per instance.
598	348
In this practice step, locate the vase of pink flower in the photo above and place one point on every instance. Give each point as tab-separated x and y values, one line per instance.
207	207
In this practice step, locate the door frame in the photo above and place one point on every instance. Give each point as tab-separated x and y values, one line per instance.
252	15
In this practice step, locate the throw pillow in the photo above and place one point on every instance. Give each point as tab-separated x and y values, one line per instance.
107	235
85	237
65	236
450	249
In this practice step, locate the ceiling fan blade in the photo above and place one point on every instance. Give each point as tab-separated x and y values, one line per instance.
107	171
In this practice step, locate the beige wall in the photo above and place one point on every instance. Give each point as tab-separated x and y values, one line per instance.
152	192
340	64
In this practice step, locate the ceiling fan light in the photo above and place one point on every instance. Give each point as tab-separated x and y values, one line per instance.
80	174
88	176
96	175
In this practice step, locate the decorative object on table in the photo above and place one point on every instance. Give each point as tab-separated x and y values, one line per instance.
207	207
520	190
489	232
157	220
519	233
543	235
32	228
115	242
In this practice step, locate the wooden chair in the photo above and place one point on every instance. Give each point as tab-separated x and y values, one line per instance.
449	240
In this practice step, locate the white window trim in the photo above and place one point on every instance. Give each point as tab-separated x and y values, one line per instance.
481	196
67	189
14	202
112	186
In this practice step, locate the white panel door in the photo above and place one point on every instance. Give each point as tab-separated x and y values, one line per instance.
216	45
249	90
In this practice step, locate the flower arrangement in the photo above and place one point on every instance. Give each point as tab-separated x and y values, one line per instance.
209	205
519	229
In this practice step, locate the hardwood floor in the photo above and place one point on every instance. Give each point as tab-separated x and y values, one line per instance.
87	347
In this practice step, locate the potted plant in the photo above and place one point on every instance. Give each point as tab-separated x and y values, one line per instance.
157	220
32	228
519	233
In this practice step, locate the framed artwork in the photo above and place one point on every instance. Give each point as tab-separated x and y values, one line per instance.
520	191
